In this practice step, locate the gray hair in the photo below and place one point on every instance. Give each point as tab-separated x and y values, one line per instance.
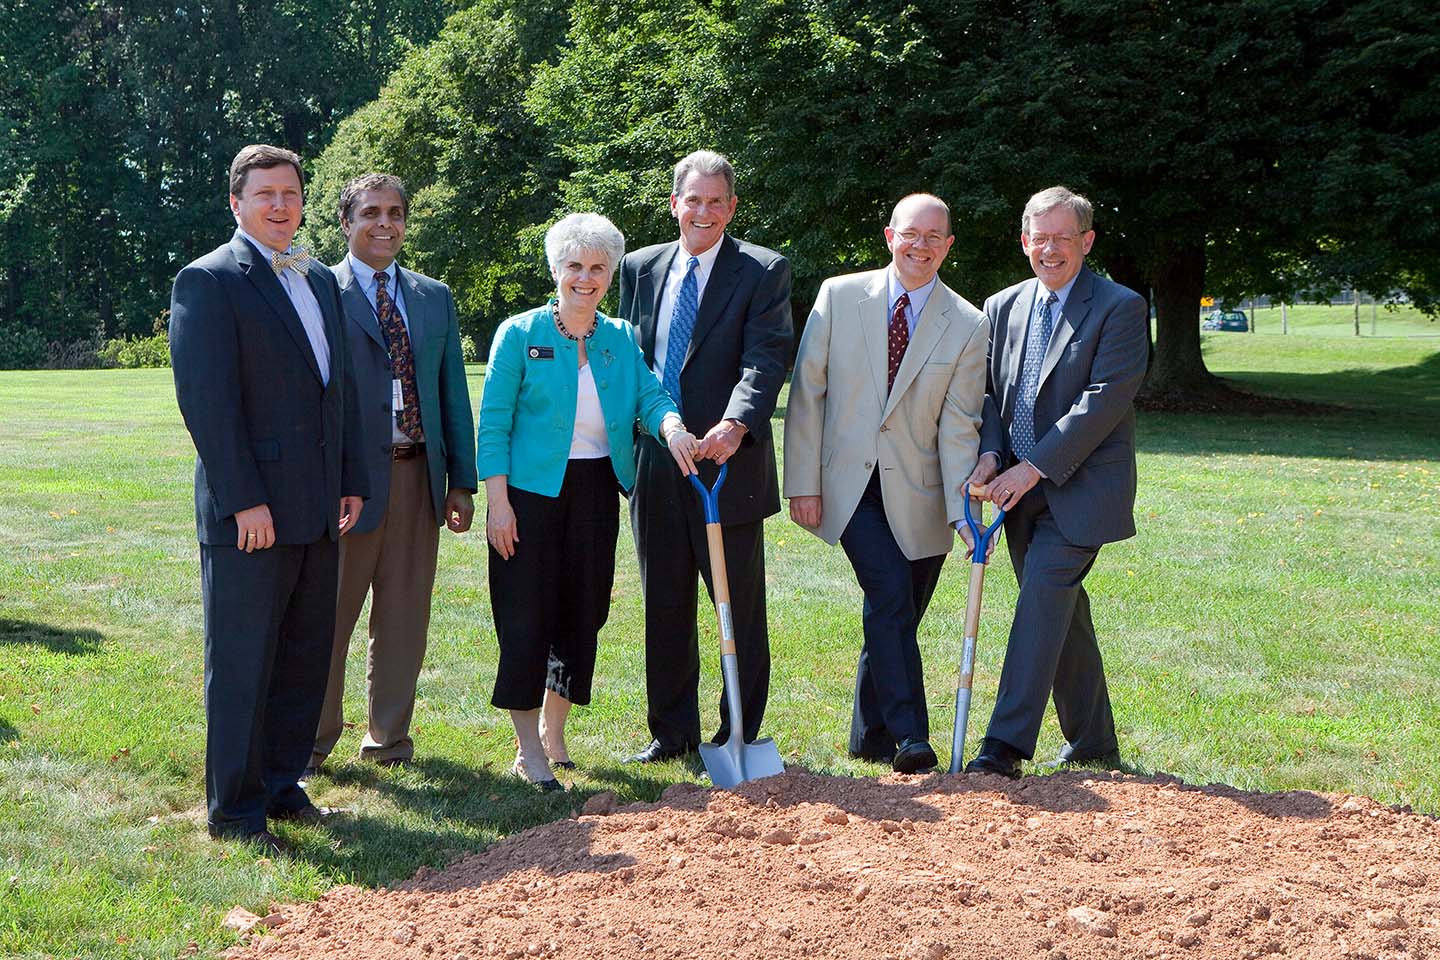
1052	197
921	200
584	231
704	163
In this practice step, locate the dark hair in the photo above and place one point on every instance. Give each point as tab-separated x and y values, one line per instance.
262	156
372	181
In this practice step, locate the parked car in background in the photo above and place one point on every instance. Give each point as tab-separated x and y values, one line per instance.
1234	320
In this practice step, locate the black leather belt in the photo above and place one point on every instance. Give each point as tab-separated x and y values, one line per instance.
406	451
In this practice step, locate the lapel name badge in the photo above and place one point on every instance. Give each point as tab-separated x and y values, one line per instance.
542	353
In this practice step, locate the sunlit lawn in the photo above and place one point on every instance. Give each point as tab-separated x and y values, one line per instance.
1273	626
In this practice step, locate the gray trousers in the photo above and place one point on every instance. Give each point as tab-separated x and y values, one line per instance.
1052	648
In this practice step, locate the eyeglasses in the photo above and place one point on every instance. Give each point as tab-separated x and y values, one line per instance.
921	239
1061	240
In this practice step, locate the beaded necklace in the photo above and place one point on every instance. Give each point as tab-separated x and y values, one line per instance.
560	325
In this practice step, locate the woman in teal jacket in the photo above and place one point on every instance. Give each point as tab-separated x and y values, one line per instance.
563	390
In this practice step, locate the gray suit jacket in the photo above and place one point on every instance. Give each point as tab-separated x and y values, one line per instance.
923	435
1084	417
445	413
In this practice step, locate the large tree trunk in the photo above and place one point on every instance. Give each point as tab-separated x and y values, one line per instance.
1125	270
1177	371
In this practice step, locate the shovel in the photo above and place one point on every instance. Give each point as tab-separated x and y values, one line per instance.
981	536
734	761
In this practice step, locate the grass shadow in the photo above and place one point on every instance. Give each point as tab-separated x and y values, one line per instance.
71	641
8	733
1384	414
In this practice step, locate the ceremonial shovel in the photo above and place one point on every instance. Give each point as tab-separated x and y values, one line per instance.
972	624
734	761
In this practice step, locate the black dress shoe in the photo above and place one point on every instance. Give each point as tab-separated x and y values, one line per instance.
1070	757
655	753
997	757
308	814
913	756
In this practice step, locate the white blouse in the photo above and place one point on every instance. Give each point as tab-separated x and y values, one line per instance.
589	441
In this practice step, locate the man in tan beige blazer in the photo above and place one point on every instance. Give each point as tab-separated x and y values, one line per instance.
882	429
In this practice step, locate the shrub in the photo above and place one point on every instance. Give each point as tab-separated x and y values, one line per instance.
467	349
21	347
75	355
138	352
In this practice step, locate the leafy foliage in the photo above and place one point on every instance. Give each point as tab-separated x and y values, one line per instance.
482	176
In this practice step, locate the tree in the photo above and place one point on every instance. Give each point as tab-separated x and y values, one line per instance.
483	178
122	120
1229	146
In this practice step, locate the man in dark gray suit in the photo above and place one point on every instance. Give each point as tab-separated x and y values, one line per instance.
1067	353
419	450
263	381
713	315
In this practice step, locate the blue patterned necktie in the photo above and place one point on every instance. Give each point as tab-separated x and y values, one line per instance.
1022	424
682	324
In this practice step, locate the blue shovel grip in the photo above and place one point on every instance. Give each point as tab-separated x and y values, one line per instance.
710	498
981	536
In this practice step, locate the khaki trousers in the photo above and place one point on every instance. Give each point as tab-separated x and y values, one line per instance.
397	562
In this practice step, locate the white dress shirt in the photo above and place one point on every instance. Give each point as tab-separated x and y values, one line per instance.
678	268
303	299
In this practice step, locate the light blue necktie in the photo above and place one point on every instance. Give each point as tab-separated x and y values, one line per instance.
682	324
1022	424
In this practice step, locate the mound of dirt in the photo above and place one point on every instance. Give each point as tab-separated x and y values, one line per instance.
1073	866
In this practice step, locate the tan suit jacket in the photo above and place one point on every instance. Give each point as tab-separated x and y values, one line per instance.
924	436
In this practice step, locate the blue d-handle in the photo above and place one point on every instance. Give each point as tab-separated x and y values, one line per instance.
981	537
710	498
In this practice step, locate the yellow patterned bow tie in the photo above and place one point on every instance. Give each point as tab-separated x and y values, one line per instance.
298	259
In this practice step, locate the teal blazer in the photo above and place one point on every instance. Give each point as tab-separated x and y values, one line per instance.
527	412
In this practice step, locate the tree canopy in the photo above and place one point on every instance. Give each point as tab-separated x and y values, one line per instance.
1240	148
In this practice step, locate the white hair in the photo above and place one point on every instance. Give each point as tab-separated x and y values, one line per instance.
704	163
1052	197
584	231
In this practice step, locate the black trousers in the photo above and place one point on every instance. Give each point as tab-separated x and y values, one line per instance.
889	679
269	625
669	528
1052	647
552	597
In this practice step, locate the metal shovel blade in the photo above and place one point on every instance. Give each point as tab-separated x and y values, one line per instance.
733	762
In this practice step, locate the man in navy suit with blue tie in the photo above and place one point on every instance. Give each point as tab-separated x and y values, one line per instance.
713	318
263	381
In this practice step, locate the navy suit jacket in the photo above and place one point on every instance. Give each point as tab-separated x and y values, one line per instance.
735	365
445	413
266	429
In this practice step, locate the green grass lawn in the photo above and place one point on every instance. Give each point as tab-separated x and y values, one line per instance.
1273	626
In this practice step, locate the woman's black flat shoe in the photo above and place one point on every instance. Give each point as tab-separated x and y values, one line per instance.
544	786
563	764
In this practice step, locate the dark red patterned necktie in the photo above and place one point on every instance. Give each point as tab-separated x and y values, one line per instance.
402	360
899	337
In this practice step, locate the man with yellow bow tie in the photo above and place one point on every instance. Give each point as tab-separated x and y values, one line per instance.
263	381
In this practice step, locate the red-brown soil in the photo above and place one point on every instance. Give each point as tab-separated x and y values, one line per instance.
1073	866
